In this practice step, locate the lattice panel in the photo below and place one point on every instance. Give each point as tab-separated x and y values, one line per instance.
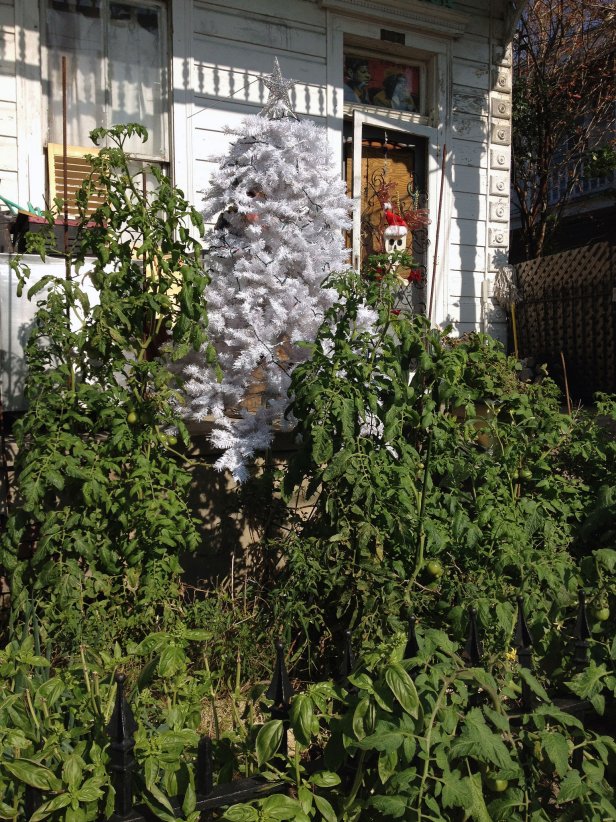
586	266
568	305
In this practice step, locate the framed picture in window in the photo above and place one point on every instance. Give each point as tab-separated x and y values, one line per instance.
375	82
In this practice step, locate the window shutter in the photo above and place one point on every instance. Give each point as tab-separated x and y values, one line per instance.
78	168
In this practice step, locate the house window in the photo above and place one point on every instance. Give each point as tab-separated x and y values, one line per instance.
116	71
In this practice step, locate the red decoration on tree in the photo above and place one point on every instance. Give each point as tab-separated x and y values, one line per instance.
415	275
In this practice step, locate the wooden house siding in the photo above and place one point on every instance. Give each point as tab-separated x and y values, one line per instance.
221	50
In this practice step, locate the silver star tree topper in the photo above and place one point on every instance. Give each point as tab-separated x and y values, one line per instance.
278	104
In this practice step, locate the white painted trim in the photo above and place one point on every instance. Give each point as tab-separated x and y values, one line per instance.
358	125
412	13
182	101
30	158
335	96
371	118
433	173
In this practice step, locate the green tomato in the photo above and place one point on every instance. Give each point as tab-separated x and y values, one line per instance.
525	473
131	418
171	440
602	613
434	568
497	785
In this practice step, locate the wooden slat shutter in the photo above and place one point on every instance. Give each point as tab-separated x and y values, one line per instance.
78	168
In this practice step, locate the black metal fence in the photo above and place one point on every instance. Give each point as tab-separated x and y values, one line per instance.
123	766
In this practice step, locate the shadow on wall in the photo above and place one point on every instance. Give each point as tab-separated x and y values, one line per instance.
13	366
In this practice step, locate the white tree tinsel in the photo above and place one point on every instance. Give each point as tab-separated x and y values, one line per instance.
283	209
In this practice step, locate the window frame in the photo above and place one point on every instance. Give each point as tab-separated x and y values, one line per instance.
419	116
433	56
162	159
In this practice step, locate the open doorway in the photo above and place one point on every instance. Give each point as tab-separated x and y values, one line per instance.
383	165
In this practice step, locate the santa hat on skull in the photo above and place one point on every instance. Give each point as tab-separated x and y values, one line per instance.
396	227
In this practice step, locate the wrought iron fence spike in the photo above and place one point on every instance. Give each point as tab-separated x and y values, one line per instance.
280	690
473	650
121	730
523	646
522	638
122	724
348	657
412	647
582	631
205	767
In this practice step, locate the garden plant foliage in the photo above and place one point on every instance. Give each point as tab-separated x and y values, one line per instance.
427	479
101	490
438	479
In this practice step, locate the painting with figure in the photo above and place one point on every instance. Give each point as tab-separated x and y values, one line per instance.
381	83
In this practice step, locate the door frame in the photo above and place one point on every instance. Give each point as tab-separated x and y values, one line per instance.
433	175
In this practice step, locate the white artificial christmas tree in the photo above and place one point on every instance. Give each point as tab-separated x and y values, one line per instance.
282	211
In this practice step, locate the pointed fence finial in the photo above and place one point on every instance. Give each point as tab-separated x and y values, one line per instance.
204	782
347	664
412	647
523	643
522	640
582	631
121	730
280	690
278	105
473	652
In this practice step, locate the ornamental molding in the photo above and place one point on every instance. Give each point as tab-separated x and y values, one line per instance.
413	14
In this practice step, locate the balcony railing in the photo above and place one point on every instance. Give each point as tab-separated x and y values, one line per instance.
559	182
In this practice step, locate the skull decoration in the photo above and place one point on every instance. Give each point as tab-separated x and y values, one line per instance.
394	236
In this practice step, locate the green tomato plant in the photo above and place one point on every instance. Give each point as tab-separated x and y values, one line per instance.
101	486
431	477
430	738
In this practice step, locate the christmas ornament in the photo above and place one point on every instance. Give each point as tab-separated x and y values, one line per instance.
396	231
278	104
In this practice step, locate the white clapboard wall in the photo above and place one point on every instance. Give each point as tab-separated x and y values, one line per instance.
233	46
220	50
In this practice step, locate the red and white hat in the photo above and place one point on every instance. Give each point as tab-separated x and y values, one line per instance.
396	226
